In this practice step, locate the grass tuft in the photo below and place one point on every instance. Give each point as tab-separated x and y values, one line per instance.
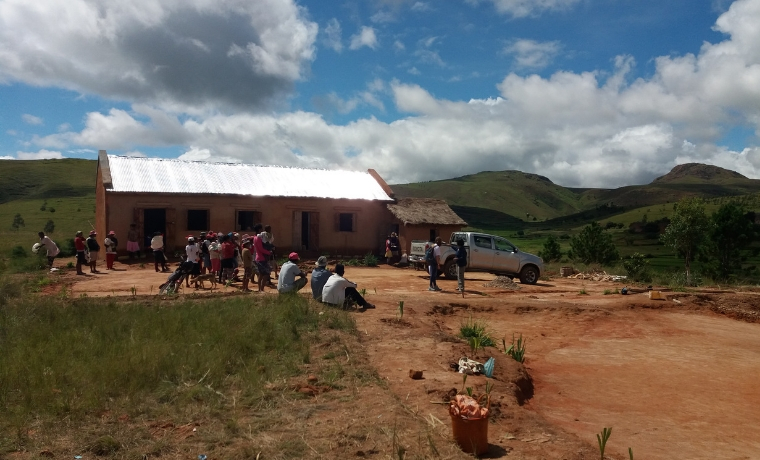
476	330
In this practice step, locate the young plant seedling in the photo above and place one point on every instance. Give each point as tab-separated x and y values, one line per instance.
630	453
400	310
516	350
602	440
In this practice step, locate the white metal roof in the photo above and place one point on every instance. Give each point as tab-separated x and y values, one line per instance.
156	175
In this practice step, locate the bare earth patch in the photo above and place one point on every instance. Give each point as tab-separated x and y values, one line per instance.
674	378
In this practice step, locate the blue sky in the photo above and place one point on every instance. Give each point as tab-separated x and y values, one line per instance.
599	93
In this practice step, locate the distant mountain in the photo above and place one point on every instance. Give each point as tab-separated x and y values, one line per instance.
697	172
516	196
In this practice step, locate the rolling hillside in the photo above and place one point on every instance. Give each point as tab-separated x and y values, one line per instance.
27	179
517	196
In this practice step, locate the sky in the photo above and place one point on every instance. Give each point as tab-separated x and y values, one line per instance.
589	93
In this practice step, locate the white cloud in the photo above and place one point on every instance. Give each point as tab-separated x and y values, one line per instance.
64	127
530	54
365	37
595	128
333	35
31	119
421	7
41	155
195	54
135	154
7	157
523	8
414	71
398	45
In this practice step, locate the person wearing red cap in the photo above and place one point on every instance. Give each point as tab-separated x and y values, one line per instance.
287	281
94	248
110	244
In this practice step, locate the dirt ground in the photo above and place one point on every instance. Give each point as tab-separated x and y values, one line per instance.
675	378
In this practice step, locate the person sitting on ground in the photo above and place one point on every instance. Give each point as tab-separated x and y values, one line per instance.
340	291
287	281
94	248
50	246
319	277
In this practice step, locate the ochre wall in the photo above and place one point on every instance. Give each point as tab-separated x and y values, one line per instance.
372	223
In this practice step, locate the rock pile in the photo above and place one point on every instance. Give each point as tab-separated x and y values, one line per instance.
504	283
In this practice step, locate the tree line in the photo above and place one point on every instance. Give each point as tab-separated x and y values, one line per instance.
716	240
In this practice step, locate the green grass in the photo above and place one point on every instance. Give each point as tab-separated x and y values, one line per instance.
476	330
65	357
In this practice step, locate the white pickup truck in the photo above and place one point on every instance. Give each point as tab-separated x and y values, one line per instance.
485	253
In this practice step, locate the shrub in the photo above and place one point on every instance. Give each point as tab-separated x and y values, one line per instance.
551	251
637	268
370	260
476	329
18	252
49	226
594	245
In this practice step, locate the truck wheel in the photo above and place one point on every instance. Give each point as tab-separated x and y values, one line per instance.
529	275
450	270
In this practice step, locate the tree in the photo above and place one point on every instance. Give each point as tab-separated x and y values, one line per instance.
593	245
552	251
730	231
687	230
18	221
49	226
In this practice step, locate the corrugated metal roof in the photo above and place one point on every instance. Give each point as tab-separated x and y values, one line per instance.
156	175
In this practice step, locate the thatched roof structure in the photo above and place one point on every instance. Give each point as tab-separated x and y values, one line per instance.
415	211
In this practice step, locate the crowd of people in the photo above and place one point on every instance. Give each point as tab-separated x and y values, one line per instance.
223	255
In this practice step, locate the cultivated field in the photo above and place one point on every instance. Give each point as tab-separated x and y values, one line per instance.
674	378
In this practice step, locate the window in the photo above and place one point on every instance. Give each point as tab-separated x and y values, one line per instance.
197	219
503	245
346	222
482	241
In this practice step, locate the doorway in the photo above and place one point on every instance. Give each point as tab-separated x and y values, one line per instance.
154	220
306	230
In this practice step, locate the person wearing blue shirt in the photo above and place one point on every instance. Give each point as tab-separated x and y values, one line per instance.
319	277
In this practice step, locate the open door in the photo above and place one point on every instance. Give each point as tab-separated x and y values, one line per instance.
171	230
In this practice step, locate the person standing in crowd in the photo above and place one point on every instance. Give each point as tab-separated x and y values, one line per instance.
50	247
228	254
388	252
432	263
395	247
339	291
247	257
110	243
157	245
214	251
287	281
193	255
261	258
81	247
319	277
205	254
460	257
133	248
269	240
94	249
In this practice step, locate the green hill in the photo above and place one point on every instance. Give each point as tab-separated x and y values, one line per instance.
516	199
32	179
514	193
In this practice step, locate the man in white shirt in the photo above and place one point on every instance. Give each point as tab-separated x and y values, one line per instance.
287	281
193	255
338	290
50	247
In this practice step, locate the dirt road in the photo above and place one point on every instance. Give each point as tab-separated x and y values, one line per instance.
673	378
